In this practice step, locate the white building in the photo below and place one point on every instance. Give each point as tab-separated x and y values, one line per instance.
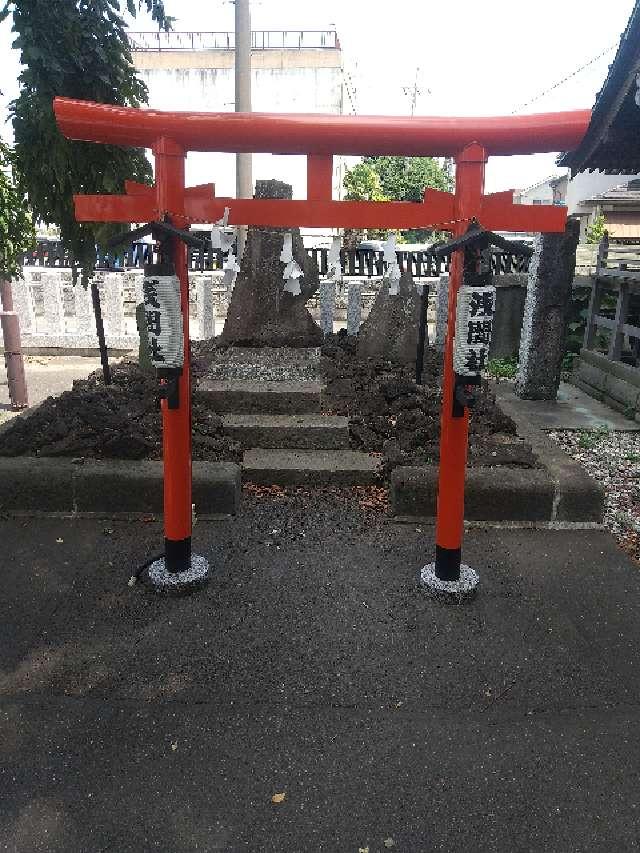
292	71
550	191
587	195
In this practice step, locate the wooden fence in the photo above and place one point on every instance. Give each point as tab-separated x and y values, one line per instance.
615	302
358	263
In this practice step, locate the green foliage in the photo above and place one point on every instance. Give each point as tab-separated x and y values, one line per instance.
75	49
396	179
17	233
503	368
595	232
589	439
362	183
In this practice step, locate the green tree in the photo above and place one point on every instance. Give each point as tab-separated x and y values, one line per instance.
17	233
398	179
362	183
596	230
76	49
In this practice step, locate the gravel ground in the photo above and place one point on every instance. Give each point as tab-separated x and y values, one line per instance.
612	458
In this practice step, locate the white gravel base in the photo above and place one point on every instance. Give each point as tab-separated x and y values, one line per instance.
613	459
452	592
175	582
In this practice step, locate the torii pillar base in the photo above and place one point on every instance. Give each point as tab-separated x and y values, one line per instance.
450	592
166	582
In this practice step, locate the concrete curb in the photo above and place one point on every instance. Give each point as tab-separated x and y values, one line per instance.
491	494
29	483
577	497
559	491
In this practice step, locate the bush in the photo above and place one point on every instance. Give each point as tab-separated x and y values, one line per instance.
503	368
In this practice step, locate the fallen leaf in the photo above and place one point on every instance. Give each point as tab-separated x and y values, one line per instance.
278	798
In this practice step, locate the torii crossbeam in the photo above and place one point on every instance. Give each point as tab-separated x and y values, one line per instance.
469	140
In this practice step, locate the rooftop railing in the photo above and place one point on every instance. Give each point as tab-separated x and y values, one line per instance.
260	40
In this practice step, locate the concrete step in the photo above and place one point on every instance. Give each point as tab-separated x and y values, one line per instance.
309	467
242	396
320	432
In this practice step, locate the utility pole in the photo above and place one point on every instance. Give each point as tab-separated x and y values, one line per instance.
244	178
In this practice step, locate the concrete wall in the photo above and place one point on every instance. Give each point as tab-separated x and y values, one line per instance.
611	382
288	80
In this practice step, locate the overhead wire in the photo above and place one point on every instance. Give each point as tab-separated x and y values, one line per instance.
564	79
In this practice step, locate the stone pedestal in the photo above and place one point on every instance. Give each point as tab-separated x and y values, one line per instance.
546	313
86	324
354	308
112	305
53	309
23	304
204	299
327	305
442	304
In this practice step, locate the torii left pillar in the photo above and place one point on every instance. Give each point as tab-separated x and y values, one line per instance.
179	570
176	423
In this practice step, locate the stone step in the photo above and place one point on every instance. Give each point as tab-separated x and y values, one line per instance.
242	396
288	431
282	364
309	467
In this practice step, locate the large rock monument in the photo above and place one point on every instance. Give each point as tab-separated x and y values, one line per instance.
391	329
260	312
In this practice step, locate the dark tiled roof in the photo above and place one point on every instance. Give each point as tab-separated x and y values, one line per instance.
612	140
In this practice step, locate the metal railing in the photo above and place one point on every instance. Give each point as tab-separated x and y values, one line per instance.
260	40
361	263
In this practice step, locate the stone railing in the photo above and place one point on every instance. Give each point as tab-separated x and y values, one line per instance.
55	314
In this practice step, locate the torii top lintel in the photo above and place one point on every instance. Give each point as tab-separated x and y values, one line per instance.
319	137
293	133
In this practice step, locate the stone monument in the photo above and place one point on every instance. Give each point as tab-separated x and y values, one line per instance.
546	313
261	313
391	329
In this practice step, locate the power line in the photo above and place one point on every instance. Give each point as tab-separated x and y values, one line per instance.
564	79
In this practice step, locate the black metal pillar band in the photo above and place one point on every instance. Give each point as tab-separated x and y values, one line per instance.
448	563
177	554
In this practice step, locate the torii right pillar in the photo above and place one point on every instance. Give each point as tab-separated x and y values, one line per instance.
447	575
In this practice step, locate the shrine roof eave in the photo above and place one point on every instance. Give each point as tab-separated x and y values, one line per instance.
610	143
299	133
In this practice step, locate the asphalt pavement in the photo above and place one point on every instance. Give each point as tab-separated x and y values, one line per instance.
313	667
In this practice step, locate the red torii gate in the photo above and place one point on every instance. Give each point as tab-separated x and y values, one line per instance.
470	141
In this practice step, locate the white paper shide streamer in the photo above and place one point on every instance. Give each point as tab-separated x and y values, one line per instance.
164	320
222	237
292	271
474	325
392	273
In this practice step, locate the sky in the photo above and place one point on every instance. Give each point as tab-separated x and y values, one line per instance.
491	58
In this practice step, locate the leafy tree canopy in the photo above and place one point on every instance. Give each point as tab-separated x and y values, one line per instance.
16	225
396	179
362	183
76	49
596	230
